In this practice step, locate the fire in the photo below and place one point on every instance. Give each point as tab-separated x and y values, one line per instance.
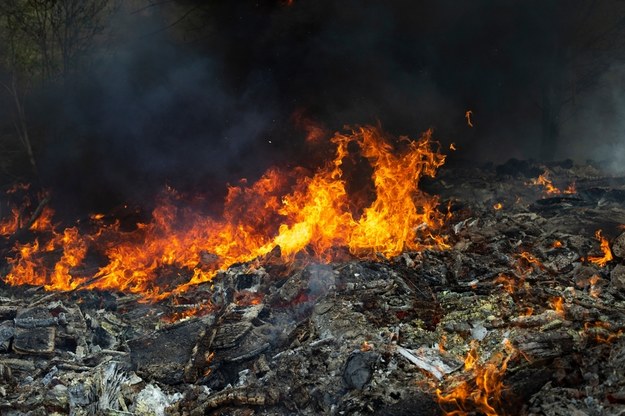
29	268
601	332
498	206
557	244
10	224
557	304
605	248
549	188
483	393
506	282
295	211
468	115
531	261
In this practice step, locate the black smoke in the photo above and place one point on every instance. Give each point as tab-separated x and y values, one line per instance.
196	94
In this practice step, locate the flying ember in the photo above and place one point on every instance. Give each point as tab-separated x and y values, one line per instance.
288	210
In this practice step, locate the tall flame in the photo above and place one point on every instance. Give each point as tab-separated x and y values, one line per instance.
484	393
317	216
605	249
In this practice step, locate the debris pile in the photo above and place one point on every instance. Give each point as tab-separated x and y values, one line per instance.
523	314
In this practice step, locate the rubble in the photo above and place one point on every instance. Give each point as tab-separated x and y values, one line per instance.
359	336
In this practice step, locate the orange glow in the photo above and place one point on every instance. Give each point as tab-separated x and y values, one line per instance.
44	221
468	115
508	283
498	206
366	346
531	261
544	181
29	268
601	332
571	189
557	244
442	343
9	225
482	393
452	147
295	211
605	248
557	304
548	187
194	310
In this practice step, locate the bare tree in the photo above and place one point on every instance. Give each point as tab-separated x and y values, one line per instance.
46	41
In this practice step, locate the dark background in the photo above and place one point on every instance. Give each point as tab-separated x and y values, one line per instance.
196	94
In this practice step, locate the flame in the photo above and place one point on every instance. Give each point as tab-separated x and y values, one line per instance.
506	282
483	394
531	261
314	131
557	244
468	115
44	221
442	343
498	206
557	304
316	217
571	189
548	187
601	261
10	224
29	268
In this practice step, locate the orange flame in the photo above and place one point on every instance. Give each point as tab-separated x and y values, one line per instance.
601	332
557	304
605	248
498	206
468	115
549	188
316	217
10	224
483	394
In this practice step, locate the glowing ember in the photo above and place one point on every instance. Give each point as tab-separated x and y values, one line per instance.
602	332
605	248
498	206
316	216
483	393
506	282
557	244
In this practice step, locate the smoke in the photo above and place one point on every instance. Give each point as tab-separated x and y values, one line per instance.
595	128
211	99
149	112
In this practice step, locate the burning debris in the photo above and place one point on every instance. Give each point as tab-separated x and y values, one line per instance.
303	298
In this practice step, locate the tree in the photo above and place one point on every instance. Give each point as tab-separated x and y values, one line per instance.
45	41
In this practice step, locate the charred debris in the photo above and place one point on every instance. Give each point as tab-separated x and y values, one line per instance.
523	314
